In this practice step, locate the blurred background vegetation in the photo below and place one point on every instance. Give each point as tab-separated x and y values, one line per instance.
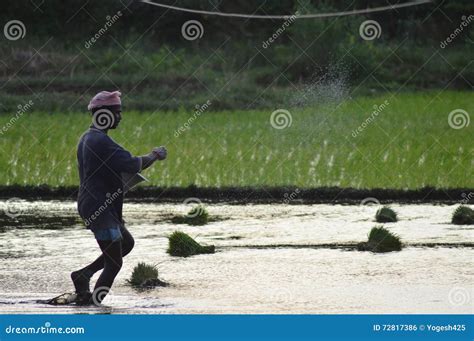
145	55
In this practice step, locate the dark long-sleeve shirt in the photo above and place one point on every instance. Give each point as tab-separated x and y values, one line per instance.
101	161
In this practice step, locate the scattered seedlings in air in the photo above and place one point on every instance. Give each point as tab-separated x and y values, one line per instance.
182	245
385	215
198	215
145	276
381	240
463	215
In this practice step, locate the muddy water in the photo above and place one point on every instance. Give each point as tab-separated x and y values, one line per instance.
269	259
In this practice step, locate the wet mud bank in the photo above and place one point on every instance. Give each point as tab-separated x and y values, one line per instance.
243	195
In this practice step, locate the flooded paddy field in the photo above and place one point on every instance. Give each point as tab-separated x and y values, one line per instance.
269	259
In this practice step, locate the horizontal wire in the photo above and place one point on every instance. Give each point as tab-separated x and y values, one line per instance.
293	16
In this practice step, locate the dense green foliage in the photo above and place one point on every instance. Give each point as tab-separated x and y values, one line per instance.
157	69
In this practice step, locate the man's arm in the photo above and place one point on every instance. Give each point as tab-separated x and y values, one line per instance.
122	160
119	159
158	153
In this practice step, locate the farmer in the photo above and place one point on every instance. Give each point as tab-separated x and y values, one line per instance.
101	164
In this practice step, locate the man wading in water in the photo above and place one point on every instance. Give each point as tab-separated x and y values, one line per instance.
101	162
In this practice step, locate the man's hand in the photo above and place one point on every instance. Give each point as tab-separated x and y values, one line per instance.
160	153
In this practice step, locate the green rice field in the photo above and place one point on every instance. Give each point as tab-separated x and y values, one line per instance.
405	141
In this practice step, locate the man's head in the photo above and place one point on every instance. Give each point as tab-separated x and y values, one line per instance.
106	109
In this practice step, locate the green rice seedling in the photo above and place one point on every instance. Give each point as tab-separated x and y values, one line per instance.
182	245
144	276
463	215
385	215
266	156
196	216
381	240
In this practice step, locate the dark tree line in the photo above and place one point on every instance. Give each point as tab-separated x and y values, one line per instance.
75	19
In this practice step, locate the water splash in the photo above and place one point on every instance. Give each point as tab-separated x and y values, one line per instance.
328	89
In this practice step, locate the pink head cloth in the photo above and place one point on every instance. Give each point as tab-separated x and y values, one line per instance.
105	98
